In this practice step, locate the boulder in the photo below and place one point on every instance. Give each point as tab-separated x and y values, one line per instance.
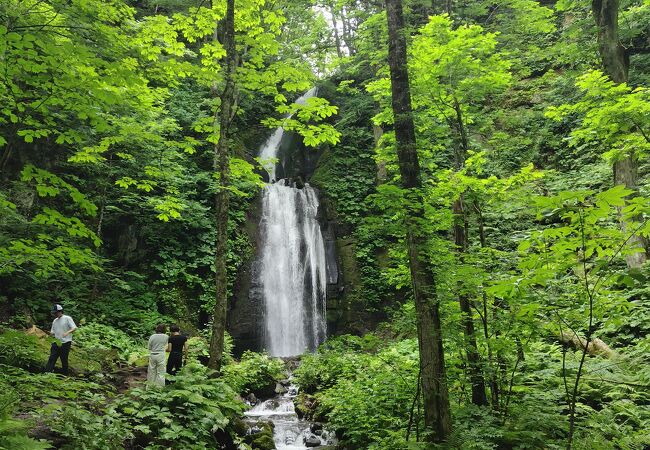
251	399
312	441
35	331
279	389
261	436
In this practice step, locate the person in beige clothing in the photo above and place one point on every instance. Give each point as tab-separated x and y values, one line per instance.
157	345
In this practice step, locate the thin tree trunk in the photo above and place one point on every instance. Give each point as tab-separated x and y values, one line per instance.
437	415
337	38
616	63
493	376
474	366
347	36
4	159
221	166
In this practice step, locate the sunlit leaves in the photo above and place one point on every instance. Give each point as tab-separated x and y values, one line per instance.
49	185
612	117
71	225
45	256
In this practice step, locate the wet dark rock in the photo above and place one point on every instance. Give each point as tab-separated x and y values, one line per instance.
266	391
312	441
240	427
251	399
316	427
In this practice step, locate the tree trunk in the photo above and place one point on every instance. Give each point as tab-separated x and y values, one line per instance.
474	366
493	373
616	63
221	163
337	38
347	33
437	415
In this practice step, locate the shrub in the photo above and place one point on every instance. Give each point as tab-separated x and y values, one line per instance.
99	337
36	390
366	405
19	349
13	433
256	373
185	414
336	359
90	430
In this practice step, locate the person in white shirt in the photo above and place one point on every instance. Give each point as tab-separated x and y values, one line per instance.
157	345
62	328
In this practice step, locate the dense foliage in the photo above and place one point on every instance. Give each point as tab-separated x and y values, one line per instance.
532	123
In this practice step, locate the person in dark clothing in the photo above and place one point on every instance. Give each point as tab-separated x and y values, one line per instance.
177	348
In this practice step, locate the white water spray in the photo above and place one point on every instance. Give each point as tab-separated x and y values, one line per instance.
293	265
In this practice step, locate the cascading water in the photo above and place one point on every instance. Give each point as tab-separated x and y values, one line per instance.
292	271
269	151
293	278
293	265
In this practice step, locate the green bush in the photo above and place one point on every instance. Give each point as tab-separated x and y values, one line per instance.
336	359
185	414
94	429
38	389
19	349
13	433
104	338
22	350
374	396
256	373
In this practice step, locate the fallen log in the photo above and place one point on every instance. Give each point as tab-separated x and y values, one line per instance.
595	347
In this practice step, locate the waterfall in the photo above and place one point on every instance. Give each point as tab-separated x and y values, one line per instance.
292	262
269	151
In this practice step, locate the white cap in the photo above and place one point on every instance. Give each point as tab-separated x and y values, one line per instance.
57	307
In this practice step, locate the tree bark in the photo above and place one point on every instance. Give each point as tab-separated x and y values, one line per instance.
493	374
337	38
347	33
616	64
221	163
474	366
437	415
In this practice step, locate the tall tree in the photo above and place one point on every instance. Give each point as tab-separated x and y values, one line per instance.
437	415
222	170
615	60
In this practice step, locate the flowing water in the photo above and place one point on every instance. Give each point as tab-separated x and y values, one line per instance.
293	271
289	432
269	151
293	277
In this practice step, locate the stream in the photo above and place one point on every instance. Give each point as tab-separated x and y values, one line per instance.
289	431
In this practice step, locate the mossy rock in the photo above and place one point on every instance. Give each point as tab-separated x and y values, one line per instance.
306	407
262	440
239	427
29	352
